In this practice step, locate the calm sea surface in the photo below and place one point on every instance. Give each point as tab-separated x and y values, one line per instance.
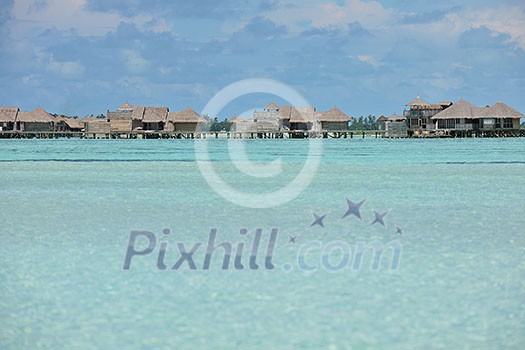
68	208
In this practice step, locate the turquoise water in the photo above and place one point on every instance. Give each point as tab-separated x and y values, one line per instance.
68	207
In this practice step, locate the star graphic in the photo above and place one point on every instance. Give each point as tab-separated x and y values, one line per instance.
353	209
291	239
379	218
318	220
399	230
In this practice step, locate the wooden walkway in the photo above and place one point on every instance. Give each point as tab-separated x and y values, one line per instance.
188	135
249	135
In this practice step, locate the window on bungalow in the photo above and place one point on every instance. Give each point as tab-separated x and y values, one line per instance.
458	121
413	122
441	123
507	123
451	123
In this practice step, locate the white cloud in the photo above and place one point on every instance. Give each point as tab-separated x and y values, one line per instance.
34	15
67	69
370	14
504	19
61	69
371	60
508	20
134	61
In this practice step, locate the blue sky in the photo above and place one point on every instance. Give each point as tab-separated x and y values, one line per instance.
81	57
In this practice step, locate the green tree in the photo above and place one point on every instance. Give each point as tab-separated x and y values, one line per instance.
365	123
217	125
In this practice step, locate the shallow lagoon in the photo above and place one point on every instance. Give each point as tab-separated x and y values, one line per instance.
68	207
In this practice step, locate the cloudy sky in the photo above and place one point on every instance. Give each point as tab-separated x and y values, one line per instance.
81	57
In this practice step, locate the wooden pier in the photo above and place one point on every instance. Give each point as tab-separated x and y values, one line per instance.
289	134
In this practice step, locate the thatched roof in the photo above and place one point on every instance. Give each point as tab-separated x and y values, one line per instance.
187	115
272	106
125	107
382	119
461	109
297	114
8	114
302	114
500	110
464	109
155	114
36	116
72	122
333	115
285	112
138	113
396	118
417	102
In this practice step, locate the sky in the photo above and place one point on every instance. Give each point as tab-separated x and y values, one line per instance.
82	57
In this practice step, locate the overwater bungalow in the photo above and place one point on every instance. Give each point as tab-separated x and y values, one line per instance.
298	118
154	118
65	124
186	120
395	126
381	121
269	119
502	115
97	128
37	120
333	120
246	126
123	120
8	118
275	118
464	115
128	118
419	112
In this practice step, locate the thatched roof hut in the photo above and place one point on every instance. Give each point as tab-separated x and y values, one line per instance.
333	115
465	109
138	113
186	120
8	114
155	114
74	123
461	109
271	107
500	110
126	107
302	114
396	118
417	102
285	112
68	124
36	116
187	115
